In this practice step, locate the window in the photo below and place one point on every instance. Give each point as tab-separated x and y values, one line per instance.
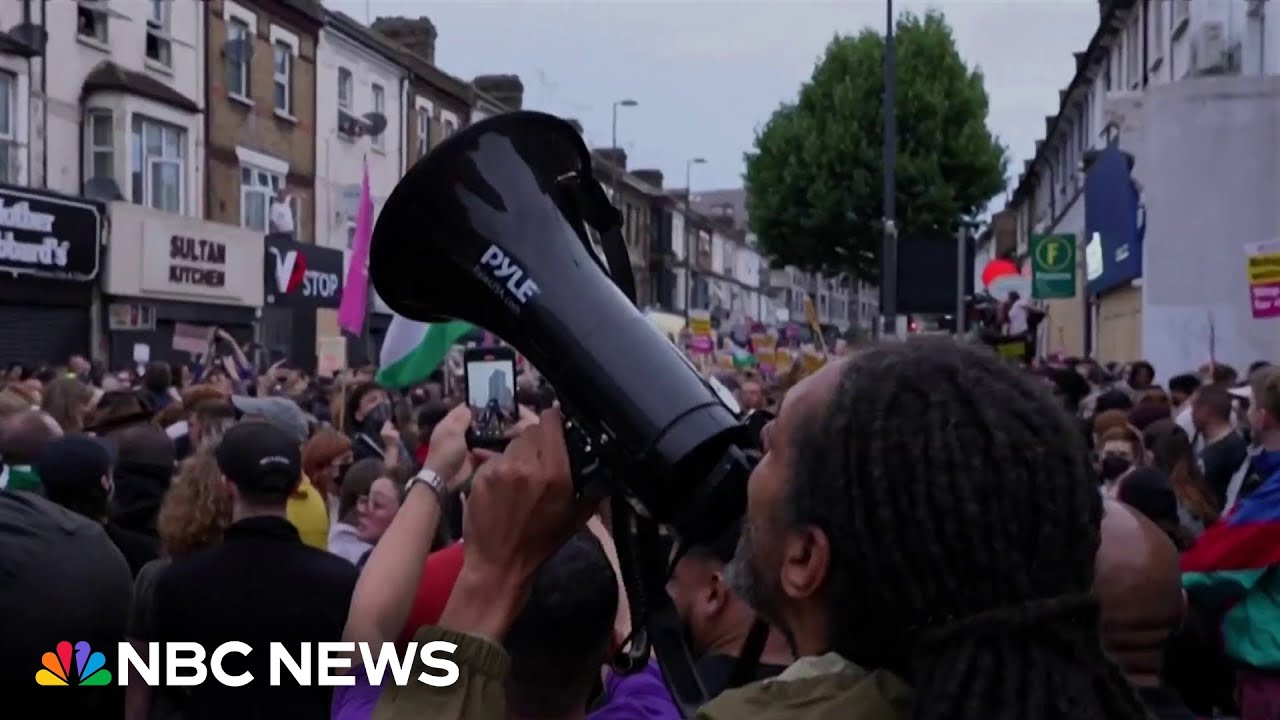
159	47
1181	13
379	106
239	41
449	127
91	22
346	89
424	131
1133	47
258	189
10	155
1157	31
157	164
283	77
101	145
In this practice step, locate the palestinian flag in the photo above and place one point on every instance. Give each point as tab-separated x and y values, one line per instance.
413	350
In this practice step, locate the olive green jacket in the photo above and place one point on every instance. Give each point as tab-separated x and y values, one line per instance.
819	688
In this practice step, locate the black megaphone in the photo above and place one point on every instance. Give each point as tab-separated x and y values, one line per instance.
491	228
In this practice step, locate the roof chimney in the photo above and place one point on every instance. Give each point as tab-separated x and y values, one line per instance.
653	177
416	36
505	89
616	157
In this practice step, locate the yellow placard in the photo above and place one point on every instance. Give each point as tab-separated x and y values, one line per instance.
813	361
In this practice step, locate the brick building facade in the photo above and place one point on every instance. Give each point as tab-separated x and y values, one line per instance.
261	113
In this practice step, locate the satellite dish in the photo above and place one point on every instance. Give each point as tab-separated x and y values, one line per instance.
31	35
238	50
102	189
376	122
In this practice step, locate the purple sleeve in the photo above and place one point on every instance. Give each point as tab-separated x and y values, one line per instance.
642	696
355	702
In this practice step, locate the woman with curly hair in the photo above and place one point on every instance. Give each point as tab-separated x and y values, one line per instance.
193	515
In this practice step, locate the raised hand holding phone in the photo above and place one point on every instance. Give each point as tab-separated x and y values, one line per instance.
490	374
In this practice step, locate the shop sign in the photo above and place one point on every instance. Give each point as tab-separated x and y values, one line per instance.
1114	223
183	258
301	274
48	235
1053	266
197	261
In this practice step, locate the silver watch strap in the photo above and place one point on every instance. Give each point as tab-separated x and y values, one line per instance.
431	480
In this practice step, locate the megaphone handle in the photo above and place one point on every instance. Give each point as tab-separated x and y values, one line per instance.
590	476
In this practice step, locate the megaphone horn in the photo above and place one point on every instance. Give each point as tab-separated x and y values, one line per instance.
491	228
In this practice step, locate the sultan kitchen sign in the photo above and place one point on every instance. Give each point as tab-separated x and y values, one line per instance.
183	258
48	235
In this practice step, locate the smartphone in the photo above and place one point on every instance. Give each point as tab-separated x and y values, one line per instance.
490	374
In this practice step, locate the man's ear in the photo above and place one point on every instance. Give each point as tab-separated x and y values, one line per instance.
715	596
806	560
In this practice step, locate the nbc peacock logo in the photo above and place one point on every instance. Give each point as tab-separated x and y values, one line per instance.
90	667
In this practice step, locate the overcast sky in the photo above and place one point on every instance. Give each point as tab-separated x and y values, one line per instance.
708	73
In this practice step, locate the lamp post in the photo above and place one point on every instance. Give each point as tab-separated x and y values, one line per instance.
889	247
617	104
688	249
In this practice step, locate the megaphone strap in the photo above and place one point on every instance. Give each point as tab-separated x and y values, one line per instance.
601	215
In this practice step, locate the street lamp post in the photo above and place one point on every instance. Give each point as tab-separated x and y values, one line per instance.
617	104
889	248
688	248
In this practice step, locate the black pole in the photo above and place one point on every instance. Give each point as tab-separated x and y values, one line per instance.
889	248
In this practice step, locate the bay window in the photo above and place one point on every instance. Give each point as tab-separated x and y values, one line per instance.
157	164
101	144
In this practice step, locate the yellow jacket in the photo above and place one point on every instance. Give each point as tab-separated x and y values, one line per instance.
309	516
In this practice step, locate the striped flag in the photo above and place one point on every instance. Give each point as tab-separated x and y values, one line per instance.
413	350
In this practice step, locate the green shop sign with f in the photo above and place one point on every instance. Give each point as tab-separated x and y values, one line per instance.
1053	266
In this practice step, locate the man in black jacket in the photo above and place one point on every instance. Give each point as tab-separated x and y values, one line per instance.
261	585
63	580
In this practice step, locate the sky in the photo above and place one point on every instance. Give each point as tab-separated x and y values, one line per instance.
706	74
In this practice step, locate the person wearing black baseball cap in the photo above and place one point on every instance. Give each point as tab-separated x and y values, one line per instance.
77	473
261	585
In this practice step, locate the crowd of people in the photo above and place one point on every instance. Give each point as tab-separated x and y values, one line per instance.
931	532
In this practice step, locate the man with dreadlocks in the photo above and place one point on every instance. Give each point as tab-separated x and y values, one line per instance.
926	510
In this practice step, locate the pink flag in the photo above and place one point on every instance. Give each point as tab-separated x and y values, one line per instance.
355	293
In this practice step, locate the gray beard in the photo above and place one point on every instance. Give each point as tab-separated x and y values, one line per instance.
741	576
744	580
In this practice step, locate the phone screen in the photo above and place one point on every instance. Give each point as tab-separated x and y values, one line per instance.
491	393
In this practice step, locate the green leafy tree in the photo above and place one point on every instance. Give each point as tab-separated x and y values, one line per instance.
815	178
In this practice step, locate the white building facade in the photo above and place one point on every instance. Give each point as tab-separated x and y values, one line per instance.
123	101
1188	90
355	77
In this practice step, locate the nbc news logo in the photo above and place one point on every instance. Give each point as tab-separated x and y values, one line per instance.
89	666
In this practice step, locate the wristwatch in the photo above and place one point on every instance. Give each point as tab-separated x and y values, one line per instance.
431	480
